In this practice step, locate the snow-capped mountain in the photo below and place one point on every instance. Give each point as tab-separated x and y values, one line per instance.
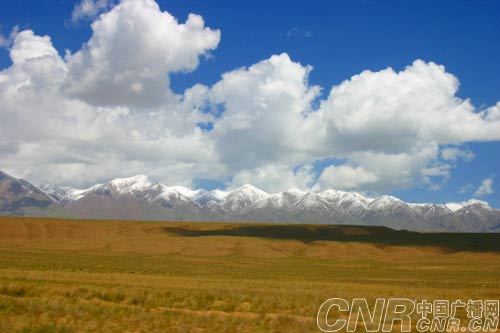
140	197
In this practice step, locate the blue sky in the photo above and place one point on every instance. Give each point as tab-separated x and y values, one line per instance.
338	39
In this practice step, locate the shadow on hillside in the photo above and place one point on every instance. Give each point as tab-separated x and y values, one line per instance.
381	236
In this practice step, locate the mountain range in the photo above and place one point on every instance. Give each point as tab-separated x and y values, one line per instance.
141	198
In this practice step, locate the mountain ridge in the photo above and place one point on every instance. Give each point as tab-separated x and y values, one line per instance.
140	197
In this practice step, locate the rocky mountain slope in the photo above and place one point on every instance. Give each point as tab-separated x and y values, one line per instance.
18	195
140	197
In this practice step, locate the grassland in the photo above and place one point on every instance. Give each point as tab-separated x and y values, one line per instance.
122	276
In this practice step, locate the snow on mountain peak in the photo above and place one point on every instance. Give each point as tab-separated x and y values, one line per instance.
219	194
248	197
187	192
331	194
249	203
55	191
249	191
454	206
243	196
385	201
295	191
312	201
290	196
134	183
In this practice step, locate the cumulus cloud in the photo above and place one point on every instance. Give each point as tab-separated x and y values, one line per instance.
485	188
345	177
108	110
266	114
388	124
275	178
48	134
393	123
27	46
132	50
418	104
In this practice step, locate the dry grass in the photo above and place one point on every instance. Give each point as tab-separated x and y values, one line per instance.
113	276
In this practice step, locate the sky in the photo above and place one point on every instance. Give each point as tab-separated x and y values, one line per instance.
380	97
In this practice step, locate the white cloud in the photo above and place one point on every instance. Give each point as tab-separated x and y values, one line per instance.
297	32
266	114
392	124
27	46
6	41
493	113
275	178
400	170
89	9
104	112
485	188
345	177
395	111
50	135
454	206
455	153
132	50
